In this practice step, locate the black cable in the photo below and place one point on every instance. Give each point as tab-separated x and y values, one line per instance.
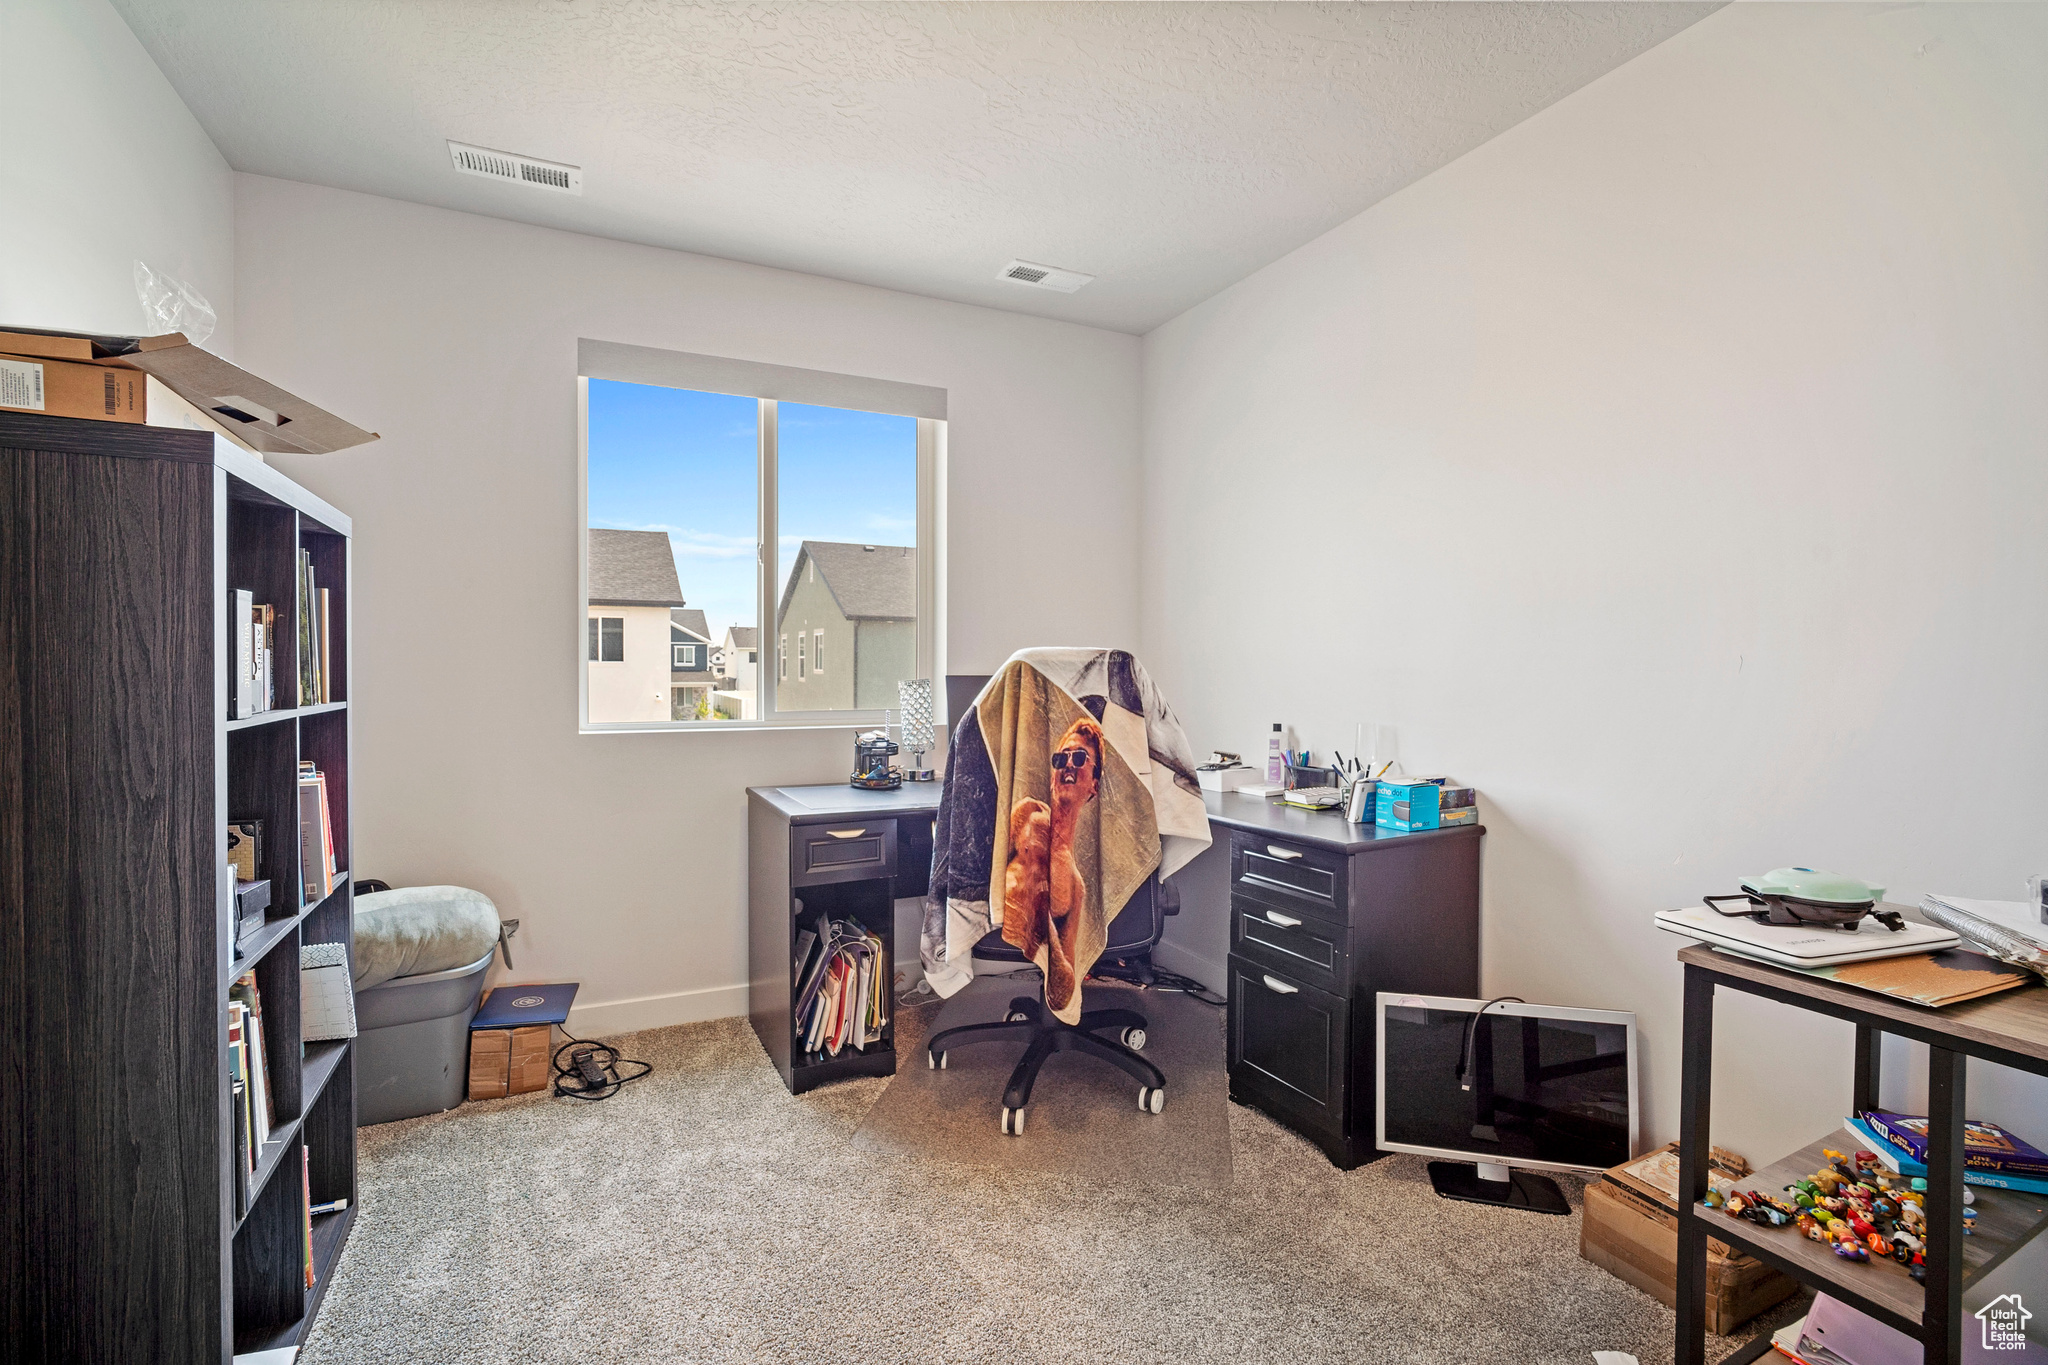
593	1071
1472	1033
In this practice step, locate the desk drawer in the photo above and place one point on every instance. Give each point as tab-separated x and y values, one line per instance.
1287	1045
854	851
1297	944
1288	873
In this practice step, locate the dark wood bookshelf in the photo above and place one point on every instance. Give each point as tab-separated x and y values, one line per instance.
119	1236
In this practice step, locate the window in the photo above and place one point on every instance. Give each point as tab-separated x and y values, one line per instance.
608	639
732	497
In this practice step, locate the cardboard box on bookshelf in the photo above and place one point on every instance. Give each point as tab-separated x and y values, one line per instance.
80	374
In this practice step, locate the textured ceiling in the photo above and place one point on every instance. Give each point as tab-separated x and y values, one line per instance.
1169	149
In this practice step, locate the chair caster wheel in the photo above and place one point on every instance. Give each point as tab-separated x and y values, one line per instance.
1015	1017
935	1060
1151	1099
1134	1039
1013	1121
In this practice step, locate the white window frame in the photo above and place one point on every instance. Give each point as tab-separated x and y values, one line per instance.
770	385
802	657
675	659
817	651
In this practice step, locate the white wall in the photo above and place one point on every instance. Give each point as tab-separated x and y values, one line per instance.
1677	459
104	166
455	336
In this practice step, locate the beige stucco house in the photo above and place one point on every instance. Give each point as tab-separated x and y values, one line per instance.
633	588
846	628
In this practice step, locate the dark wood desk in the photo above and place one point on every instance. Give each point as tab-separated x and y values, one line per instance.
2010	1028
1324	915
844	852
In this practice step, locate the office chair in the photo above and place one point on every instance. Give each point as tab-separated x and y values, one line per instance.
1127	956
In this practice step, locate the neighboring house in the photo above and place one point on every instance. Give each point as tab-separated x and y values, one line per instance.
691	677
739	658
633	588
846	628
737	662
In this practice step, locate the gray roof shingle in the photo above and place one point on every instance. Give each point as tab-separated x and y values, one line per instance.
692	620
868	582
633	569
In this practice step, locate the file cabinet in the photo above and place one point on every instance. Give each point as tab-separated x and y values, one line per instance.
1325	914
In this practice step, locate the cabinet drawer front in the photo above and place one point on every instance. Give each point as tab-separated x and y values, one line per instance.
1287	1043
1297	944
1299	873
851	852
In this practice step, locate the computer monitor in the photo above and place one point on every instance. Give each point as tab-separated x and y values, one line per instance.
1508	1087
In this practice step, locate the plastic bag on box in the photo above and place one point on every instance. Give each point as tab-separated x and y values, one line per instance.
172	305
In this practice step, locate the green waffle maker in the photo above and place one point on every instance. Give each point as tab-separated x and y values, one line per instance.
1805	895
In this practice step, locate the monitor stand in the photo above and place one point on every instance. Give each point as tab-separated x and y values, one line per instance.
1482	1183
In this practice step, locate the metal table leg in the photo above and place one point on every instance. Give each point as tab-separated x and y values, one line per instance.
1696	1095
1941	1321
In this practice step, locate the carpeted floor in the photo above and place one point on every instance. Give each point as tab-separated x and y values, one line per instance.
1083	1116
706	1215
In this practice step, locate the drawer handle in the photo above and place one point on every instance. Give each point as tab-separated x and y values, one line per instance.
1284	921
1279	852
1280	987
846	833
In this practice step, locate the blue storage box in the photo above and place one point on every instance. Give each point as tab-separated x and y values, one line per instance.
1408	803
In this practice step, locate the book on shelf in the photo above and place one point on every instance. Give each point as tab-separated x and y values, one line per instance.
324	688
242	695
1900	1162
264	642
316	834
1986	1146
238	1094
256	1064
245	849
306	1191
316	635
843	998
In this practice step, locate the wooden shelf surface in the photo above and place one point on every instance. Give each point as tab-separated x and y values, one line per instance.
330	1233
2012	1023
2006	1221
318	1068
283	1138
285	713
273	932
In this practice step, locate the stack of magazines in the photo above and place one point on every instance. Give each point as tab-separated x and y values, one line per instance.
2010	931
842	978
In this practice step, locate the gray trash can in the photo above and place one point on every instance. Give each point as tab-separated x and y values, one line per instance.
412	1042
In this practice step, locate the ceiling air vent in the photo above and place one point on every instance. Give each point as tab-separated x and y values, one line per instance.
1045	276
520	170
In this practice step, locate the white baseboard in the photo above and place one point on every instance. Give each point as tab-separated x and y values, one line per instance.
1175	958
606	1018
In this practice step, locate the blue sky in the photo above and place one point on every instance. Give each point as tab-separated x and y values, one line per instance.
682	462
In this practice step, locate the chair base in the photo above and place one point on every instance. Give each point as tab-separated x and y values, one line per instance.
1029	1022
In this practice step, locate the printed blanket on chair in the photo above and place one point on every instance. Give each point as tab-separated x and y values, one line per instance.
1068	783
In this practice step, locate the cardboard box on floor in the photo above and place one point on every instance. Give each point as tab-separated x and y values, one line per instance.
222	397
509	1061
1630	1229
